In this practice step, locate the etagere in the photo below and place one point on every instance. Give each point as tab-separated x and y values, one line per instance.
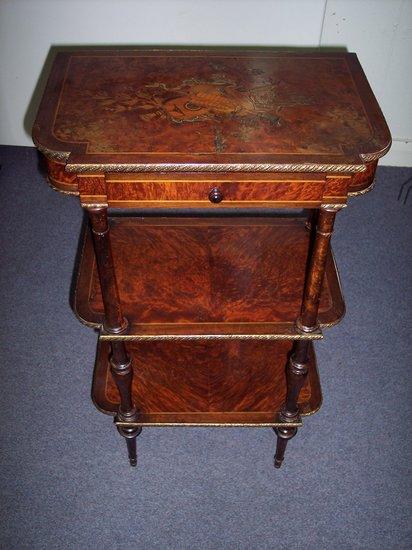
211	180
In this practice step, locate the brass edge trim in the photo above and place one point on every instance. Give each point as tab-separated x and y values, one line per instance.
332	324
88	324
333	207
212	424
369	157
311	413
167	203
167	180
194	167
63	191
140	337
52	155
64	155
224	202
362	191
94	205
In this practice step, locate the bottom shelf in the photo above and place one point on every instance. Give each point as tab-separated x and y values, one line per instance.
206	383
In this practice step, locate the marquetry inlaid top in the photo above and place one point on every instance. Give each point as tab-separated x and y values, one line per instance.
174	107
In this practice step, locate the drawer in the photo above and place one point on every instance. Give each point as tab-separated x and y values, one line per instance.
213	193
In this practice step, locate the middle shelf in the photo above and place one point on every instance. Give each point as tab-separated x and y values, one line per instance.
186	278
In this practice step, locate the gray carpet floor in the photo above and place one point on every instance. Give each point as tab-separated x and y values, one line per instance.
65	481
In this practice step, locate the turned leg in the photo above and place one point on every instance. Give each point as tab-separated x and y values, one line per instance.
297	367
283	436
296	373
122	372
114	323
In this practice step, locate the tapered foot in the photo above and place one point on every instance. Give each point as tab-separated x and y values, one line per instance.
131	450
283	436
130	435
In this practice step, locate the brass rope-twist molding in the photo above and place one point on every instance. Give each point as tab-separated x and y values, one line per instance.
63	156
194	167
362	191
62	191
370	157
332	208
316	335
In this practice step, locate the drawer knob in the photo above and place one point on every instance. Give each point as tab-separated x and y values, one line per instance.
215	195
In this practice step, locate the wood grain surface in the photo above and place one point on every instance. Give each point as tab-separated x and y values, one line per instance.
196	190
201	382
236	107
207	276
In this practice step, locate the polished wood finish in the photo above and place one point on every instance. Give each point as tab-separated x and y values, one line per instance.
308	320
209	319
70	183
207	280
122	375
59	179
114	323
194	190
201	383
189	107
298	365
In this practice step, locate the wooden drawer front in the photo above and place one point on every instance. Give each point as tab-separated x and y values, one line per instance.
211	193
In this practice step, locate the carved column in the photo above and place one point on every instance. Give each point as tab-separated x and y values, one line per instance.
297	368
115	323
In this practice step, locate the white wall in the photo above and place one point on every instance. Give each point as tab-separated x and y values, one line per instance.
380	31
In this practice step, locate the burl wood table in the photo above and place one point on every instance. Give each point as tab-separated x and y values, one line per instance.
211	180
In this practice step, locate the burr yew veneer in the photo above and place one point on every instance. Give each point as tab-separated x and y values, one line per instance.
211	181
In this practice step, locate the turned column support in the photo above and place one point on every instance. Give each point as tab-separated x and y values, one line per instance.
122	373
114	323
297	367
323	229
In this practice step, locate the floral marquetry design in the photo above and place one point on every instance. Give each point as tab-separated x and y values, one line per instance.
195	100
